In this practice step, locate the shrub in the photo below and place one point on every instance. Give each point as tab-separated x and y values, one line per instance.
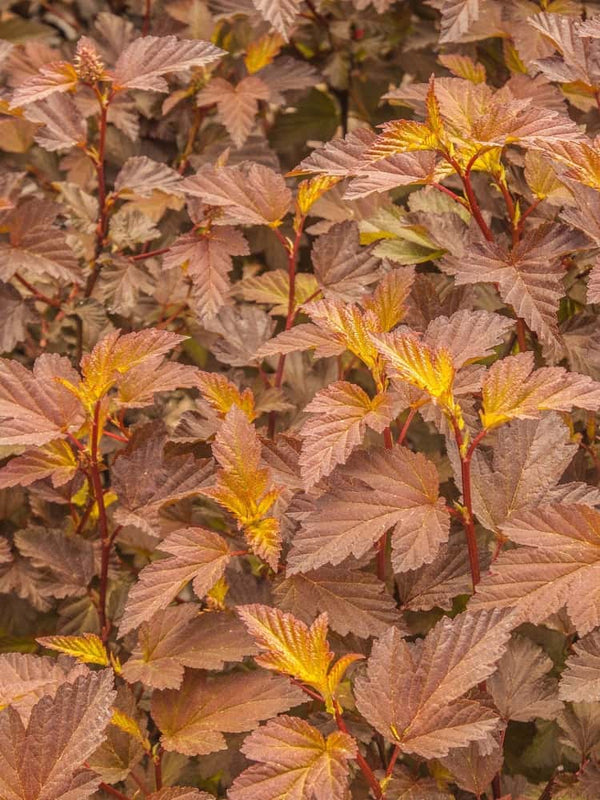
298	400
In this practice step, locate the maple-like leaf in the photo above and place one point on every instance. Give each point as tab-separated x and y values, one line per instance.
411	693
526	463
521	687
463	67
180	637
55	460
237	105
406	785
221	394
280	13
437	583
374	492
557	565
36	247
144	61
580	680
207	259
194	718
273	288
291	647
140	176
34	407
180	793
243	487
296	762
64	563
145	478
25	679
512	389
340	416
195	555
126	740
529	276
467	335
355	602
117	354
474	767
46	758
342	267
248	195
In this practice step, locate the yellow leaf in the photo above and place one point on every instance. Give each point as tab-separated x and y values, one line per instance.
463	67
264	539
222	394
402	136
412	361
215	597
311	190
261	52
87	648
291	647
131	726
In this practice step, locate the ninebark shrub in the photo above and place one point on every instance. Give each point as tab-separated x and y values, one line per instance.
298	400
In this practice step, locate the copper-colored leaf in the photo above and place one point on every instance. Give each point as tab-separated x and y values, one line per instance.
297	762
280	13
411	692
251	195
196	555
55	459
580	680
180	637
194	718
342	267
557	566
140	176
374	492
144	61
45	761
236	105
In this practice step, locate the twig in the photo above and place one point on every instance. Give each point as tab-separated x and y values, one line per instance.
361	761
36	293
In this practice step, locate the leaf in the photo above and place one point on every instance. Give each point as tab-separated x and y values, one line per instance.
64	563
463	66
140	176
195	555
296	762
45	760
58	76
117	354
556	566
55	460
521	687
243	487
63	126
472	769
181	637
180	793
193	719
355	602
144	61
580	680
146	477
273	288
280	13
25	679
457	18
437	583
341	413
529	276
34	407
248	195
467	335
512	389
237	105
207	259
374	492
410	693
342	267
122	281
221	394
35	246
87	648
529	457
405	785
17	314
244	329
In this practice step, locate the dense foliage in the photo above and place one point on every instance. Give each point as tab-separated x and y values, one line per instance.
298	400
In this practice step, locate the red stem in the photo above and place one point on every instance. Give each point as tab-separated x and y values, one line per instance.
406	426
381	545
150	254
158	769
146	23
291	311
456	197
521	337
36	293
527	212
393	759
96	482
468	522
361	761
111	790
102	224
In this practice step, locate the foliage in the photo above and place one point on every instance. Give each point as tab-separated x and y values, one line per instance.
299	388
